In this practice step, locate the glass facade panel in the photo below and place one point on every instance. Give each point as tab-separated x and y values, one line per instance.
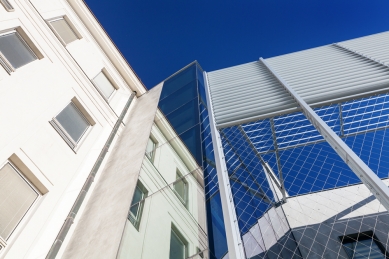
15	50
178	98
179	80
185	118
189	117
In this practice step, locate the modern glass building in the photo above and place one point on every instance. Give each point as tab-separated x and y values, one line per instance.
294	150
184	103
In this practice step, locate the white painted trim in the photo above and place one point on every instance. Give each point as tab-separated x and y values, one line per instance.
234	241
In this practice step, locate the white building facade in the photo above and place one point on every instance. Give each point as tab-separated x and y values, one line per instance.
76	125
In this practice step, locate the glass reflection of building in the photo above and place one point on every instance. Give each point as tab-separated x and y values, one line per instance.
183	102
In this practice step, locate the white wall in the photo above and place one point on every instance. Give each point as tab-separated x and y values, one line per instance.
32	95
162	207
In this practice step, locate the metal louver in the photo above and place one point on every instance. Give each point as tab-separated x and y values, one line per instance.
323	75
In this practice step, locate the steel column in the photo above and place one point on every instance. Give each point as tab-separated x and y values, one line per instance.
234	241
363	172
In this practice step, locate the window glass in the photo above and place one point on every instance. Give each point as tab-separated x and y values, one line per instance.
17	196
177	81
150	149
179	98
137	205
64	31
363	245
104	85
177	247
15	50
73	122
181	188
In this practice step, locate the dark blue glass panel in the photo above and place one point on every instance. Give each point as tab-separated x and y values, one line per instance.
192	139
185	117
216	231
177	81
178	98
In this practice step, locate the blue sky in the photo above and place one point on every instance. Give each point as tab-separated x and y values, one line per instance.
158	37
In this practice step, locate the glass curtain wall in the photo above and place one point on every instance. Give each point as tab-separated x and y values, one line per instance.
183	101
315	206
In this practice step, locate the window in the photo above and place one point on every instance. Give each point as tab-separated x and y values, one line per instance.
14	51
150	149
104	85
63	30
71	124
17	197
136	208
181	188
178	245
7	5
363	245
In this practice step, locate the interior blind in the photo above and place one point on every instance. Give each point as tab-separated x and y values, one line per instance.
65	32
17	196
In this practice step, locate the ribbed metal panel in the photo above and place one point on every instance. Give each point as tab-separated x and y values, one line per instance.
375	46
328	73
320	76
245	91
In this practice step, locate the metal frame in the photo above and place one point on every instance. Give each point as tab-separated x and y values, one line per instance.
234	241
268	170
362	171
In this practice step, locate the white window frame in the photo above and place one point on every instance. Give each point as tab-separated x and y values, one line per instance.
110	79
138	217
69	23
3	60
62	131
152	157
22	221
185	200
7	5
174	230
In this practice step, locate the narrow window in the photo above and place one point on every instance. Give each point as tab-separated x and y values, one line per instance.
178	245
63	30
150	149
137	203
104	85
363	245
14	51
181	188
71	124
17	197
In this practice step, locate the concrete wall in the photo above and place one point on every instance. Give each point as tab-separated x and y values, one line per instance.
32	95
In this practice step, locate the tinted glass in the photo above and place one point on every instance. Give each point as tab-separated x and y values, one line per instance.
64	31
104	85
185	117
178	81
177	247
192	140
363	249
15	51
179	98
73	122
216	231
